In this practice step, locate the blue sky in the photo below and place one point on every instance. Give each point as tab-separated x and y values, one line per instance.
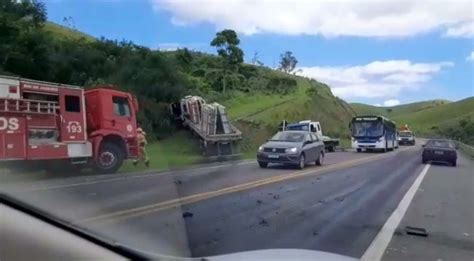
378	53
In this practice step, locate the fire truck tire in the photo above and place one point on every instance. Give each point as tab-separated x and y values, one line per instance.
110	158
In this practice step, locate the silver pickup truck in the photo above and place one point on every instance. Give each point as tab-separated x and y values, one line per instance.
313	127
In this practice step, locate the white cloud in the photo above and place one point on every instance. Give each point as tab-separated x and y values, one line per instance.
169	47
462	30
382	18
390	103
376	79
378	104
470	57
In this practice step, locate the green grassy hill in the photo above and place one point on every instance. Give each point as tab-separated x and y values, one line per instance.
364	109
438	117
65	33
259	114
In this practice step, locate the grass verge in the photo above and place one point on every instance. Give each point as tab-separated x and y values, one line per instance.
179	150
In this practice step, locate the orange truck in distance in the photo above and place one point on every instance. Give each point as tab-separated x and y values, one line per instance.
406	136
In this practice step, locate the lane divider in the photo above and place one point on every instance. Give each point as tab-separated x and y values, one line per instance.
174	203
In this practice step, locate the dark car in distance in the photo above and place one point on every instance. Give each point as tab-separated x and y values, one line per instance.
291	147
439	151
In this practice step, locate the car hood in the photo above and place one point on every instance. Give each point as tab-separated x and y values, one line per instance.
281	144
282	254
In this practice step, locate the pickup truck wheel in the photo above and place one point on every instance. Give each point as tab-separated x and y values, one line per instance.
110	159
301	162
331	149
262	164
423	160
320	159
453	163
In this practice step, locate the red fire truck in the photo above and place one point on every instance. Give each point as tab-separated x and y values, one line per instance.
50	121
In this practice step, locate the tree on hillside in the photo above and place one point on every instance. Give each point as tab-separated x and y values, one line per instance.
226	43
22	47
287	62
255	59
184	58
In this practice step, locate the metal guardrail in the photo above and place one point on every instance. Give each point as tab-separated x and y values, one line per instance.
469	150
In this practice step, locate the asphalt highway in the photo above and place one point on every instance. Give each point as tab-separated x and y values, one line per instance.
217	209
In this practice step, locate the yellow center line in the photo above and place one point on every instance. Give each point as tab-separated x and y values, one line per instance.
143	210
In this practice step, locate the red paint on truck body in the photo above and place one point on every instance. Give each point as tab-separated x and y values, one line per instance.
50	121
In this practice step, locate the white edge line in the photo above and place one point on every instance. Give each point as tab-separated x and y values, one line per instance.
377	248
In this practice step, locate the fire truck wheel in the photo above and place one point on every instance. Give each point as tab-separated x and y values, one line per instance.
110	158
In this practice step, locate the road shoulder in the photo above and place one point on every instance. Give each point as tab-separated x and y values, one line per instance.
443	207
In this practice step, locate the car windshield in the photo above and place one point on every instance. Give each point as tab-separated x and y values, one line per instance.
367	129
197	129
440	143
288	137
302	127
405	134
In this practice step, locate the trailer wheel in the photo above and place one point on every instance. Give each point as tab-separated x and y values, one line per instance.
110	158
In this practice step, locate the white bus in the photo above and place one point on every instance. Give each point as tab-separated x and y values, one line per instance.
373	133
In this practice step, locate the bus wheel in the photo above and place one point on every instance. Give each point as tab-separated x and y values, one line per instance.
385	149
359	150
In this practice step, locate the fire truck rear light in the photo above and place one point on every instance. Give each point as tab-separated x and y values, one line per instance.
12	89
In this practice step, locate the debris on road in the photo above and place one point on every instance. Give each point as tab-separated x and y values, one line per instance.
315	233
340	199
416	231
178	182
187	215
398	232
259	201
276	196
263	222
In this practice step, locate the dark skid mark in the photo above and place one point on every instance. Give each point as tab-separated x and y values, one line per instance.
187	215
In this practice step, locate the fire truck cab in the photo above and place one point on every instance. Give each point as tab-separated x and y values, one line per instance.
49	121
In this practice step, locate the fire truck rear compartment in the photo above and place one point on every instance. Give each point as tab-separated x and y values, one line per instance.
31	124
